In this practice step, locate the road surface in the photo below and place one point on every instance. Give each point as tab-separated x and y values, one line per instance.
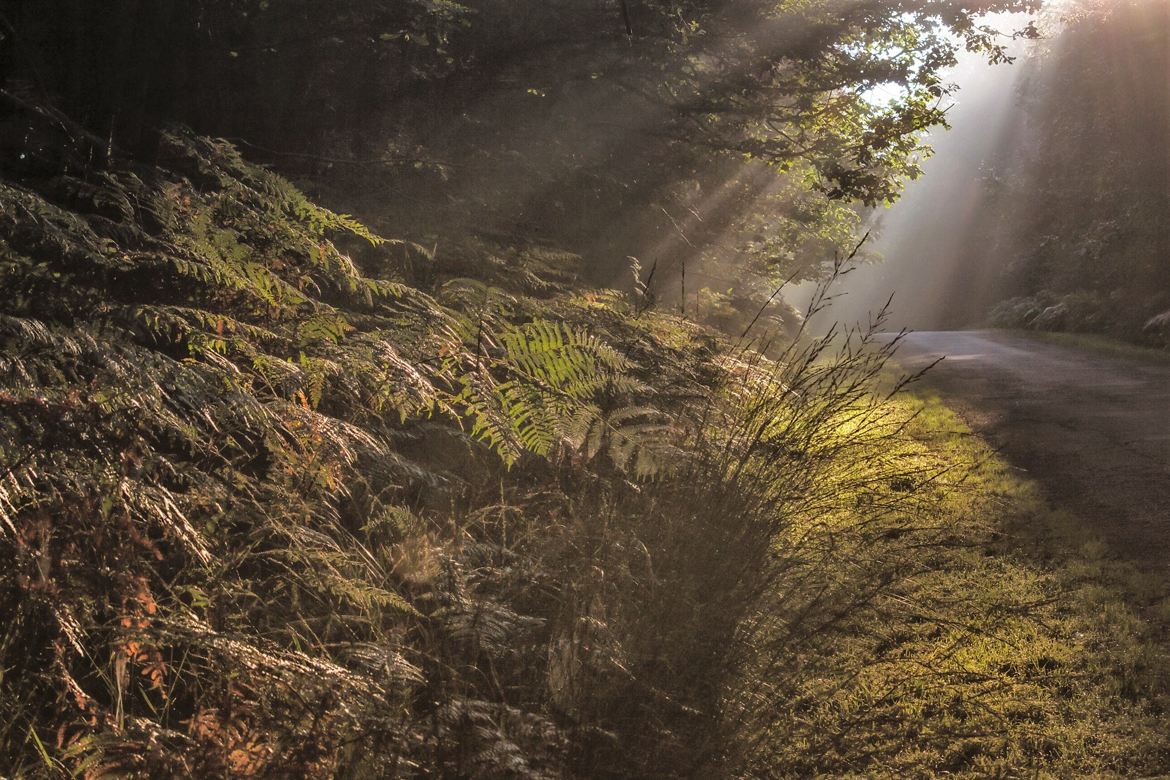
1091	427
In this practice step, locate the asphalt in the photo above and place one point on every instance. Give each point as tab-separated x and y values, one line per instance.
1091	427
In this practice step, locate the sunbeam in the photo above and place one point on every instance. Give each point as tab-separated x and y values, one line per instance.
922	240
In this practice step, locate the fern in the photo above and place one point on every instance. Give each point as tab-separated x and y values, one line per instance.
212	423
549	378
643	441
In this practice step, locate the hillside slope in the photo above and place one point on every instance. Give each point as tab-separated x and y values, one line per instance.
283	498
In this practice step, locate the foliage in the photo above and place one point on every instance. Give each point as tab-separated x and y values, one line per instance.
699	135
267	71
202	515
281	497
1077	193
284	498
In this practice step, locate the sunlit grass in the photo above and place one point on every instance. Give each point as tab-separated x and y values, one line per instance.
1000	639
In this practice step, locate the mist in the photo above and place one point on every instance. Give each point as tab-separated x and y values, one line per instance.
919	248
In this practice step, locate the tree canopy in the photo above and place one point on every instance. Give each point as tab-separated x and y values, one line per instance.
568	115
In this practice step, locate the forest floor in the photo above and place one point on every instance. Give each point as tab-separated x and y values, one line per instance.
1088	423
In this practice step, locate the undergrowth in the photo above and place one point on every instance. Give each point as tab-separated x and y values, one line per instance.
283	498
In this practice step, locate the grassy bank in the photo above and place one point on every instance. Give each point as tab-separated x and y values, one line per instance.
1008	645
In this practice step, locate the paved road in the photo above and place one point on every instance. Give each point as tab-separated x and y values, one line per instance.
1091	427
